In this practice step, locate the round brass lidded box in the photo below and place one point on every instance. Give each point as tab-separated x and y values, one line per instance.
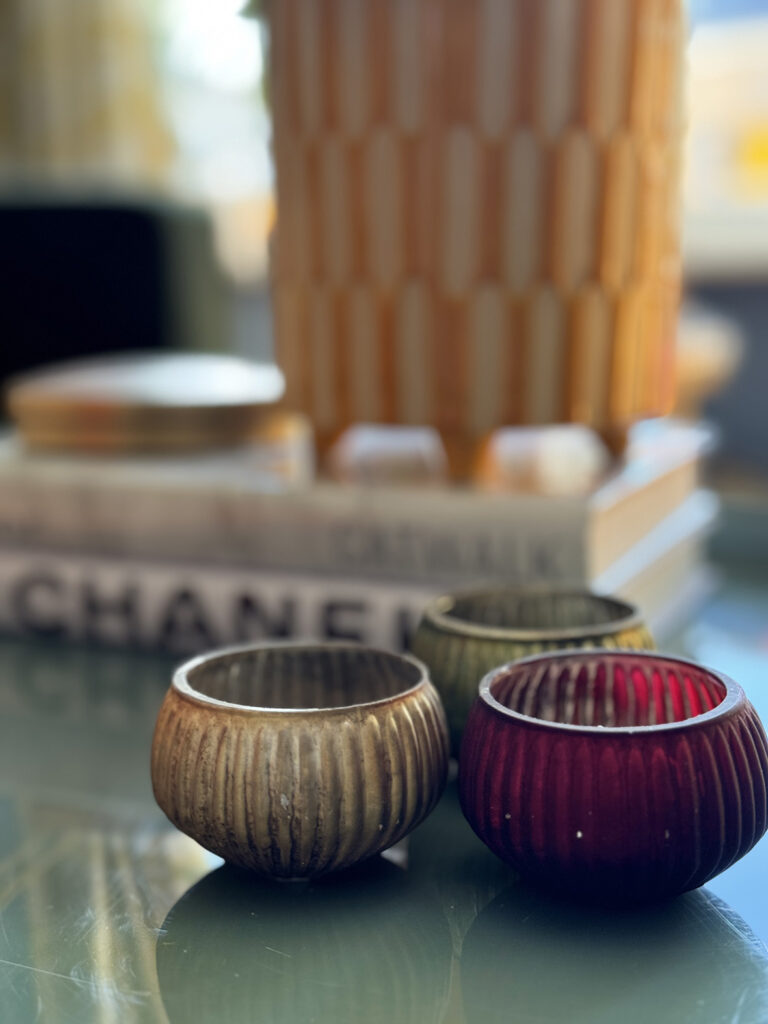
144	402
464	635
295	760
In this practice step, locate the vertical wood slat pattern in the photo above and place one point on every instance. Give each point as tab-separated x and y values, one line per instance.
498	28
451	150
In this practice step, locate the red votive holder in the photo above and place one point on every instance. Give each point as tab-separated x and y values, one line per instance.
621	776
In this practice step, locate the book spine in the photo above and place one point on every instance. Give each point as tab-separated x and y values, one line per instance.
187	607
184	609
431	537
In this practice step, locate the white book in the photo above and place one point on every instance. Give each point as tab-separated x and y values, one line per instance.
230	511
186	607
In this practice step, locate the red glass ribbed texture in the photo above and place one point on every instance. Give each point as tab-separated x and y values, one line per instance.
615	815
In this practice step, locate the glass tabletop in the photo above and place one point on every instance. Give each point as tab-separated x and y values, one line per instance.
108	914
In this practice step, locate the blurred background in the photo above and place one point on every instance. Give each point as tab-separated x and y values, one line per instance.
148	121
137	214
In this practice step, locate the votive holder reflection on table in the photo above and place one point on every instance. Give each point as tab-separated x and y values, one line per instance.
362	945
617	776
297	760
692	959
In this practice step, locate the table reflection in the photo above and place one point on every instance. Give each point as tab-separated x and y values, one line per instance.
446	858
78	917
365	945
89	869
528	958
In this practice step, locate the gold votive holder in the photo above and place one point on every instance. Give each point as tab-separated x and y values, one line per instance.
295	760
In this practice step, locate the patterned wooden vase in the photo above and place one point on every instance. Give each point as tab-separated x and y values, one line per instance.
477	212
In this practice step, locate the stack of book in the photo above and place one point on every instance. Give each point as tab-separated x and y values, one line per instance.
189	553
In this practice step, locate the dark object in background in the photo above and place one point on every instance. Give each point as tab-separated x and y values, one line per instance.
739	409
85	278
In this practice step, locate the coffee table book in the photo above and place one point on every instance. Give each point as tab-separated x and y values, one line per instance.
232	510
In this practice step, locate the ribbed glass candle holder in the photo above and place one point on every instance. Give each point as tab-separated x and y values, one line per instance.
298	760
463	636
618	776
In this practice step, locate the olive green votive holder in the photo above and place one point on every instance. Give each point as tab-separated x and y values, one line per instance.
462	636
